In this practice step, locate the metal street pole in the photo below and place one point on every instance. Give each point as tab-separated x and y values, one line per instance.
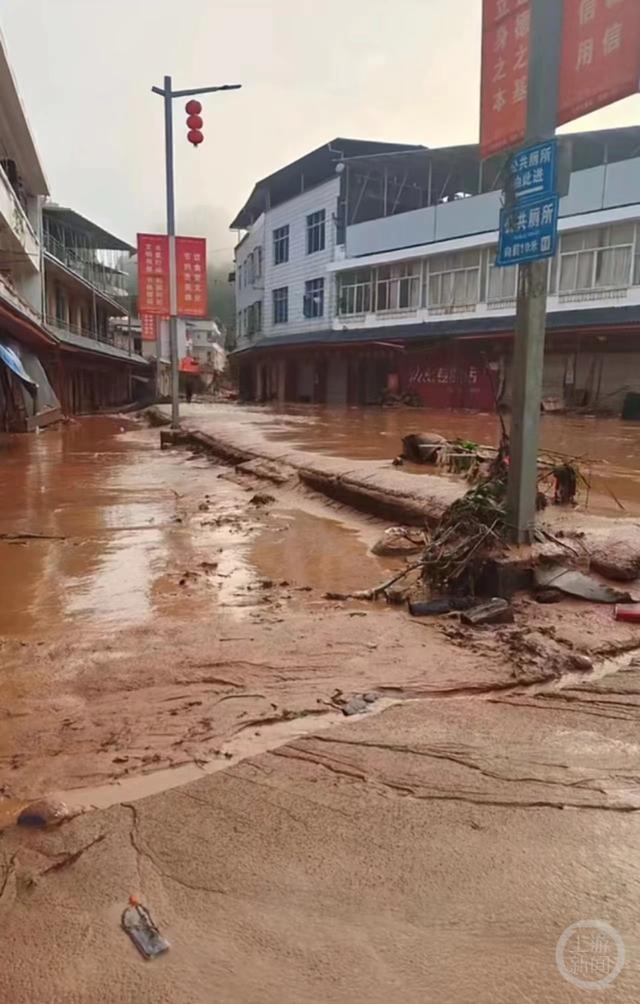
171	231
168	95
545	54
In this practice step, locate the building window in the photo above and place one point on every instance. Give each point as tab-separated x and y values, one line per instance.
281	245
316	232
502	283
600	258
257	264
281	305
398	287
355	292
254	319
454	280
313	305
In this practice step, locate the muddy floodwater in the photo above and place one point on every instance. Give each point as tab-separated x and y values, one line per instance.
106	541
607	449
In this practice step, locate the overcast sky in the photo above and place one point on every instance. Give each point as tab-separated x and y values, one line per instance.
406	70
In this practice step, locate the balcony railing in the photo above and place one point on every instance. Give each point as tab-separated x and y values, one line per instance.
94	272
73	329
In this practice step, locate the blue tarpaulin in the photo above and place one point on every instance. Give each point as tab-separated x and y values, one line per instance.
13	361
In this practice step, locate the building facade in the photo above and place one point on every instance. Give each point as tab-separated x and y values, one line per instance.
414	306
58	290
85	296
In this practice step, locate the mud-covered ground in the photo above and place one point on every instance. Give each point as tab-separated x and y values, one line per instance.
172	625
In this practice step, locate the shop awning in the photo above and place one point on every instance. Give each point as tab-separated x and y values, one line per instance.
11	359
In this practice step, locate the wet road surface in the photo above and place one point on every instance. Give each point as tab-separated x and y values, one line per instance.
111	504
170	632
608	449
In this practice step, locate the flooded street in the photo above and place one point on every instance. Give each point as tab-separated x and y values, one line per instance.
111	535
607	449
172	670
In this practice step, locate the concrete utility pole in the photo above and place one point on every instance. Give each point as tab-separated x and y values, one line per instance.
168	94
545	55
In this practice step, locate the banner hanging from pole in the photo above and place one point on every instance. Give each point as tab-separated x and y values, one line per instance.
505	74
600	64
191	273
148	325
600	55
153	274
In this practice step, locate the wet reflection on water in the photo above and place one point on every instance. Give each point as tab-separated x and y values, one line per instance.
608	448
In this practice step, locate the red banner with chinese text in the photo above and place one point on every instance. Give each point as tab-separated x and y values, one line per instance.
600	63
153	274
191	268
148	325
505	74
600	55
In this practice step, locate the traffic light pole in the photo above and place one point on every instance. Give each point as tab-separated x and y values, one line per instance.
528	363
168	94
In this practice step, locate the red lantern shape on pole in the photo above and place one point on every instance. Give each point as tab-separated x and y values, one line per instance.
194	122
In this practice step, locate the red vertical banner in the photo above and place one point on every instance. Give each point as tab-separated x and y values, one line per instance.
600	55
600	63
148	323
506	26
153	274
191	268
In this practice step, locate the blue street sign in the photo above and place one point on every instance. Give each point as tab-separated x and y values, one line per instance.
529	231
534	171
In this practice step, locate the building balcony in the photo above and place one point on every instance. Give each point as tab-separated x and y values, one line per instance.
109	281
66	328
21	242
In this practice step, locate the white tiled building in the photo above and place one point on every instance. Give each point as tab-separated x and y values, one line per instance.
410	300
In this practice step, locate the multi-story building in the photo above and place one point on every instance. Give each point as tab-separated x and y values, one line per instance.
205	345
59	285
414	304
283	287
26	397
84	289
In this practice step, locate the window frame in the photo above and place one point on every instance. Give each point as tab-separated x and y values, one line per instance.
280	298
360	292
572	258
403	282
315	311
452	270
281	239
316	231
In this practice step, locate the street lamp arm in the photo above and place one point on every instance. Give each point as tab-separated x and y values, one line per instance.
205	90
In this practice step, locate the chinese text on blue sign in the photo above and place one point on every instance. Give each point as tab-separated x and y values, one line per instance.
528	231
533	171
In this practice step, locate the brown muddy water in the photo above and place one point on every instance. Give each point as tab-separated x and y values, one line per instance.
125	524
608	449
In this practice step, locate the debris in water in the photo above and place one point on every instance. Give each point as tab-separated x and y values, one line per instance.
496	611
396	540
137	922
577	584
443	605
261	498
547	595
629	612
45	812
422	447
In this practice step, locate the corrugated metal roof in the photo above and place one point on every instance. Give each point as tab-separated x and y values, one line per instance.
101	238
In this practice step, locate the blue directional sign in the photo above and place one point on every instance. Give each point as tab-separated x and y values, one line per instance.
534	171
529	231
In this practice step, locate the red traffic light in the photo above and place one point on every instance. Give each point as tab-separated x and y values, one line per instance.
194	122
